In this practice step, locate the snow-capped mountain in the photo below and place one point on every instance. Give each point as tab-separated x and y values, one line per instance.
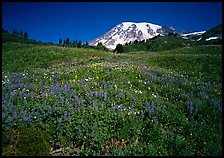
129	32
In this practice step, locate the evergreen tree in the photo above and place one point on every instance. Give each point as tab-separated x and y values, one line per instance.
67	41
119	48
13	31
5	30
136	41
21	34
25	36
79	44
60	41
99	44
75	43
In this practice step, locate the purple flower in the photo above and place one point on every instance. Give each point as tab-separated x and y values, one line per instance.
13	94
66	101
202	94
105	96
21	95
91	93
68	90
22	112
111	87
3	115
123	108
76	98
114	108
29	119
78	132
146	103
96	94
132	107
9	121
101	93
155	120
59	122
49	109
152	105
65	115
149	111
190	107
15	115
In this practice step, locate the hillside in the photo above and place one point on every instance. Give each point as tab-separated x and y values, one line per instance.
213	32
159	44
82	102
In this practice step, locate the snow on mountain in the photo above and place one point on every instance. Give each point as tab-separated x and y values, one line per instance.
193	33
211	38
129	32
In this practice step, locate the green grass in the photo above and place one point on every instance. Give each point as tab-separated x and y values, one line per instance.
154	103
19	56
160	44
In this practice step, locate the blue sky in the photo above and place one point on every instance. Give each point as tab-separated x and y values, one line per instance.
85	21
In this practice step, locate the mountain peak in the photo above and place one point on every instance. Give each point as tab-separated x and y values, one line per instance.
129	32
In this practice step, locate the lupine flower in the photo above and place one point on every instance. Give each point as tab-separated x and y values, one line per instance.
100	93
78	132
149	111
152	105
15	115
190	106
146	103
13	94
9	121
76	98
29	119
202	94
59	122
65	115
3	115
114	108
49	109
66	101
91	93
155	120
132	107
196	107
96	94
105	96
68	89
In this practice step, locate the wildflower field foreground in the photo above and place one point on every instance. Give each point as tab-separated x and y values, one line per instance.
71	101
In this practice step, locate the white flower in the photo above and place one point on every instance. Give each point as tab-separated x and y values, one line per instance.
86	80
153	95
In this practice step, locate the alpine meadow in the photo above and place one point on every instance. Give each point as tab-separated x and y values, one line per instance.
160	96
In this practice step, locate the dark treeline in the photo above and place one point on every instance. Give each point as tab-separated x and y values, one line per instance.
17	33
74	43
19	36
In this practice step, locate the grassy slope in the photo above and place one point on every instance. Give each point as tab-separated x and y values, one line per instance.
167	79
160	44
19	56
